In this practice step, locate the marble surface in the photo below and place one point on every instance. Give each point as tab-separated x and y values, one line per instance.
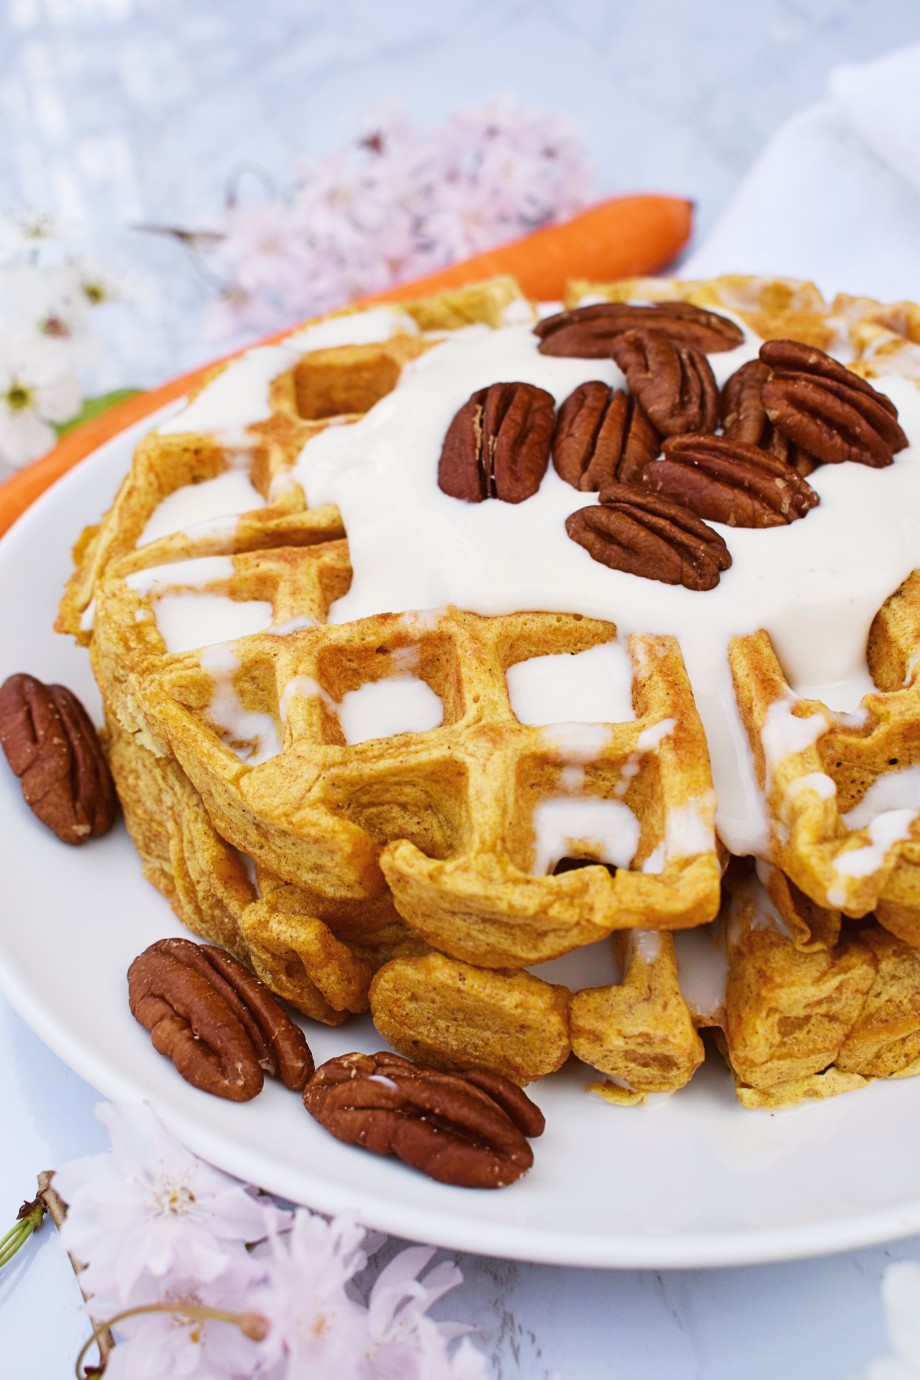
115	113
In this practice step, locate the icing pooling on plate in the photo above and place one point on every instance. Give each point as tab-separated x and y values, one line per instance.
702	969
814	585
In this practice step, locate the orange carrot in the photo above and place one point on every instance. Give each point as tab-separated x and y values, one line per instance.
616	239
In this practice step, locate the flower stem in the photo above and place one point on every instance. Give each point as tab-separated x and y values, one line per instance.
27	1220
252	1325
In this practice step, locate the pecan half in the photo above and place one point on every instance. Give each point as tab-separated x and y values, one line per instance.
834	414
588	332
601	435
498	444
744	417
217	1022
674	383
51	744
648	534
459	1128
728	482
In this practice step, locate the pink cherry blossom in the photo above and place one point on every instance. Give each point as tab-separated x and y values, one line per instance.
315	1327
160	1227
154	1345
406	1344
148	1209
395	204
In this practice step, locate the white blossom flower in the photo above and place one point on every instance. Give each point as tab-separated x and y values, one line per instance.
48	304
149	1210
22	236
97	281
318	1327
37	388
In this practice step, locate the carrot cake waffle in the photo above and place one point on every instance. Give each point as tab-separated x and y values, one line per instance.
440	641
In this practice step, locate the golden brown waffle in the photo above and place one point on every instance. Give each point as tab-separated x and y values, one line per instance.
813	1022
639	1031
816	766
402	872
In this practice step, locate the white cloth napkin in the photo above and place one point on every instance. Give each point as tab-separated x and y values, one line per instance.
835	196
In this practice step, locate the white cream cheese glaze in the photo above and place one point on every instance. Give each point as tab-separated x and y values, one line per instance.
893	790
227	495
644	944
377	709
578	825
236	397
240	394
353	328
187	614
198	619
702	971
190	574
381	708
251	734
814	585
594	686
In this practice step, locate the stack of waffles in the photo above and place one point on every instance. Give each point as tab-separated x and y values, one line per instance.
402	752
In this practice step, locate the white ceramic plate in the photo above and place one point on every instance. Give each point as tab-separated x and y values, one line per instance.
692	1181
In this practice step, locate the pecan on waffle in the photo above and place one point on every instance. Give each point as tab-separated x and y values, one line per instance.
387	731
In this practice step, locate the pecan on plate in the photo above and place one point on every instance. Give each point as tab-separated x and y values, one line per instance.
601	435
588	332
726	481
51	744
829	411
673	383
744	417
646	534
498	444
219	1024
467	1129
